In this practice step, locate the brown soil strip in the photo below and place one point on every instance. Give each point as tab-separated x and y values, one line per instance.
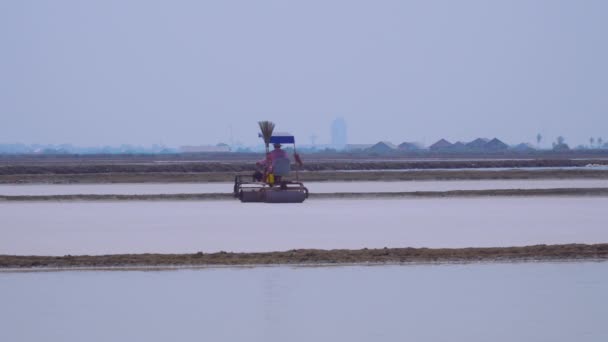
315	256
468	193
122	167
109	197
308	176
336	195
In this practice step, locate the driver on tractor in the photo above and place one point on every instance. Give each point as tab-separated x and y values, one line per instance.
273	167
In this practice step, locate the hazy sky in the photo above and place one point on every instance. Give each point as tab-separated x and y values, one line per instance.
184	72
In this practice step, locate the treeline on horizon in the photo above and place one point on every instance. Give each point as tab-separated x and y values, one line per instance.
373	150
479	145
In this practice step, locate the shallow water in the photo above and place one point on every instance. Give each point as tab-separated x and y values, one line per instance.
476	302
313	187
590	167
59	228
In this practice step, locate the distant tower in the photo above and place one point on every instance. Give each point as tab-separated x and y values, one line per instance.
338	134
313	140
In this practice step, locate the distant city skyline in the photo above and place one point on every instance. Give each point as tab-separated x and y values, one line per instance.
339	135
146	72
302	140
382	145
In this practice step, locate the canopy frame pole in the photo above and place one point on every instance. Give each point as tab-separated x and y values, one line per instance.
295	153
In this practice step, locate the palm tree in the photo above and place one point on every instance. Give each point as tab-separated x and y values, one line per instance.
600	141
591	142
538	139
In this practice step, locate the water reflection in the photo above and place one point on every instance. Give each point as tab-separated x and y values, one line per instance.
60	228
314	187
477	302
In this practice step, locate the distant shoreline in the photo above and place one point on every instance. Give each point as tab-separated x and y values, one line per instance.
197	169
566	252
588	192
305	176
82	165
318	156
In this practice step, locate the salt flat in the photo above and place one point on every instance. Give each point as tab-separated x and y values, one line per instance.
475	302
60	228
314	187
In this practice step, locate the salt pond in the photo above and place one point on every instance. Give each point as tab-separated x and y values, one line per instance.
589	167
315	187
475	302
60	228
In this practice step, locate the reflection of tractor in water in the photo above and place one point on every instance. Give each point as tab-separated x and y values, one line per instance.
271	182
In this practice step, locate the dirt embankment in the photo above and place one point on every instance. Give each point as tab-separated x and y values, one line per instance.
319	156
314	256
239	166
598	192
307	176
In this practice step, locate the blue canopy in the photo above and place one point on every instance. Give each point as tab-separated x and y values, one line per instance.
282	138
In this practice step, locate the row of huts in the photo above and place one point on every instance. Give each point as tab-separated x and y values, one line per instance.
477	145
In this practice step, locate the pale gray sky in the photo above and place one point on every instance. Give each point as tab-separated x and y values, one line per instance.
183	72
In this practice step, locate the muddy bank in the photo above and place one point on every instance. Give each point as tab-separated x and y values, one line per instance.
337	195
319	156
240	166
314	256
306	176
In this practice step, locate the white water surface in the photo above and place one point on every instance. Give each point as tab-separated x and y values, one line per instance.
475	302
590	167
60	228
313	187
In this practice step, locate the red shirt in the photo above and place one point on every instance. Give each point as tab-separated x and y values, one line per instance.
275	154
278	153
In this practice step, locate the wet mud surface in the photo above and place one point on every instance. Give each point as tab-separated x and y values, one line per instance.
337	195
305	176
568	252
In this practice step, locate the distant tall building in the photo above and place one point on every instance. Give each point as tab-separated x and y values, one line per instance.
338	134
